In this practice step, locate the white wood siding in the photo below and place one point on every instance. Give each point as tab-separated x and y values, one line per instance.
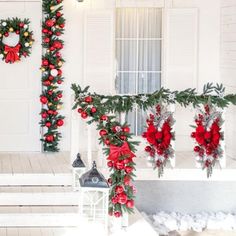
228	66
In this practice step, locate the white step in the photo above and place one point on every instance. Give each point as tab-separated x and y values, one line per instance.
60	216
36	196
34	179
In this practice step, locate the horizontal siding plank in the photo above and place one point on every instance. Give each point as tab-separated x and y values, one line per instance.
227	11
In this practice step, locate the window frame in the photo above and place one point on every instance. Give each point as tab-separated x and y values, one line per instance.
137	39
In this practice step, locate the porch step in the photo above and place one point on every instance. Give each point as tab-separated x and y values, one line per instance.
56	216
38	196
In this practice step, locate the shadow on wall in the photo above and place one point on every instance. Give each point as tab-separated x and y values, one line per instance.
185	196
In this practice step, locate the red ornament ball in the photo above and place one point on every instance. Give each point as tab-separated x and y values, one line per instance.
120	165
130	203
59	95
193	134
208	151
50	23
50	112
45	31
60	122
127	160
88	99
110	164
122	198
80	110
21	24
44	115
45	62
43	100
46	40
93	109
58	14
114	200
103	117
49	138
196	149
127	180
84	114
57	45
102	132
62	26
48	124
128	169
119	189
117	214
126	129
148	149
6	34
123	137
109	181
107	141
59	81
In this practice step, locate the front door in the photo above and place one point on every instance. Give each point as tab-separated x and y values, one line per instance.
20	86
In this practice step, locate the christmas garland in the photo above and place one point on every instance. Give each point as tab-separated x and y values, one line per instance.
117	138
52	61
209	136
12	54
118	148
159	135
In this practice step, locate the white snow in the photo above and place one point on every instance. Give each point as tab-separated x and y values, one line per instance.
165	222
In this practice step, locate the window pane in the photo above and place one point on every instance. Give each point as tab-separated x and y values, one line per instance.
149	22
126	55
141	121
126	83
149	82
149	55
126	23
131	119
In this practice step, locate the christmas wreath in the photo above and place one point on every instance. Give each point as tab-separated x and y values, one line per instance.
15	27
159	135
208	136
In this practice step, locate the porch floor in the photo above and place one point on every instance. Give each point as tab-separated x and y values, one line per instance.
56	169
28	163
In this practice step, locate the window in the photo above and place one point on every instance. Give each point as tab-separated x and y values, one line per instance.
138	55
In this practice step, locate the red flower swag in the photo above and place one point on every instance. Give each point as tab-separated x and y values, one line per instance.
208	137
159	136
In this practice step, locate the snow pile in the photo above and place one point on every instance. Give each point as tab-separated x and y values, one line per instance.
165	222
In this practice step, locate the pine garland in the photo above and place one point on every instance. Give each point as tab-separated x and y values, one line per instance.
99	109
52	61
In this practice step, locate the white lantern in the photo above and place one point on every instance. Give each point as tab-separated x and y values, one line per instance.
94	197
78	169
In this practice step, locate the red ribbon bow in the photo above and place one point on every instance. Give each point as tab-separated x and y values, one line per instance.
116	152
12	53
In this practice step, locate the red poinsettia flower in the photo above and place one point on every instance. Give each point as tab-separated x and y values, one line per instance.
151	134
199	135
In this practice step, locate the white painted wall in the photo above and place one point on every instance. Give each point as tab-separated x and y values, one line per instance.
208	55
228	66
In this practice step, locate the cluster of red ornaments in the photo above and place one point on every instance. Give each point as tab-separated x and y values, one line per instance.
159	138
207	138
52	61
120	159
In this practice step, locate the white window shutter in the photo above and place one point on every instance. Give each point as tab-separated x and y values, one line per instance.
99	50
180	65
181	48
